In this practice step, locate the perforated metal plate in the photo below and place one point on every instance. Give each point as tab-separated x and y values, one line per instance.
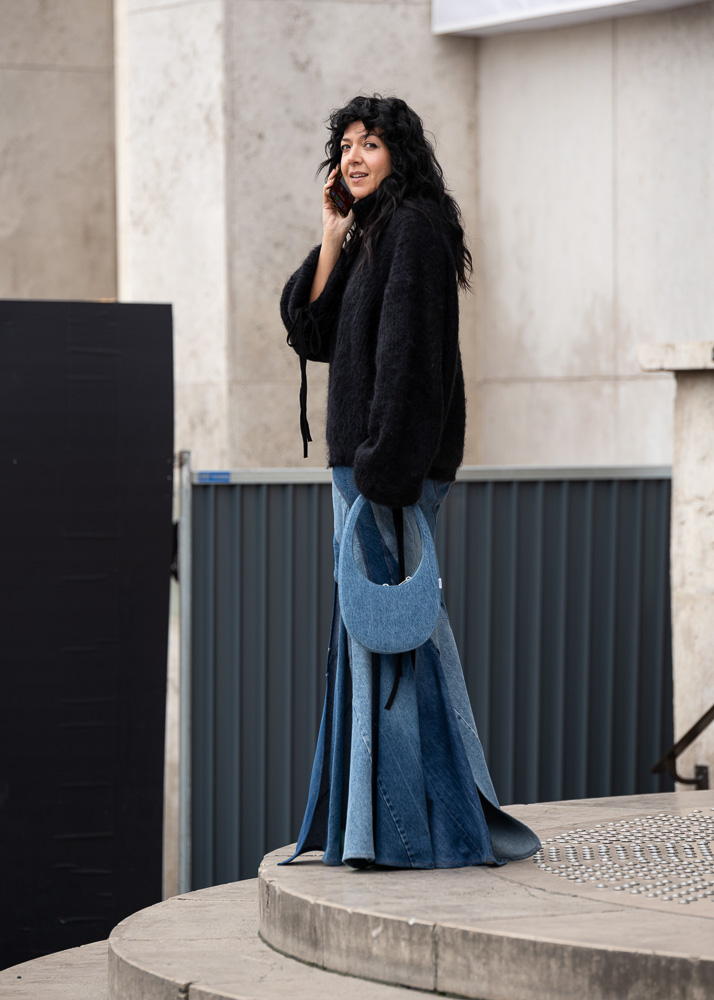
666	856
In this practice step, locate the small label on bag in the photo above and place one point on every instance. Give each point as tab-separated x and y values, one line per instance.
439	583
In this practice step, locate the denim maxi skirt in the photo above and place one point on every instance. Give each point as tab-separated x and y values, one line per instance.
408	786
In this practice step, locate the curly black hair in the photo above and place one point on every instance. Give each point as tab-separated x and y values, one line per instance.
415	171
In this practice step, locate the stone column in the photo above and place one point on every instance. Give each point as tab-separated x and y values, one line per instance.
692	541
172	199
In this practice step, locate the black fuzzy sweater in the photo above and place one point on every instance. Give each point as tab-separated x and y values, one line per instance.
389	330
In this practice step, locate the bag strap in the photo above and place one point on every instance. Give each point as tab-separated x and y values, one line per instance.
398	516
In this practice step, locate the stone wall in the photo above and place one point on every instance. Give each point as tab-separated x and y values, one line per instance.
57	214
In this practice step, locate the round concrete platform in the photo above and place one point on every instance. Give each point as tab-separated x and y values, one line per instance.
620	903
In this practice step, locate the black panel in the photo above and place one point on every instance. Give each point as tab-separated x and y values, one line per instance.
86	445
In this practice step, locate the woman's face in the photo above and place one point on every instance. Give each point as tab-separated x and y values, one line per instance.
366	161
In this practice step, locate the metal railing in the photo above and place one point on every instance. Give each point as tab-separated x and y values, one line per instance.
668	763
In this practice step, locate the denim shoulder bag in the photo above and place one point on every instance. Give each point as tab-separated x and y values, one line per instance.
389	618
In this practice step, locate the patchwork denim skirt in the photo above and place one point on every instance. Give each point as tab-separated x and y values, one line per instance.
408	786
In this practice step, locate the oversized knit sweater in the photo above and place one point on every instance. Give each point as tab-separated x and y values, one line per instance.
389	330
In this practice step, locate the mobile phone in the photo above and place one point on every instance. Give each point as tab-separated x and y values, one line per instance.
341	194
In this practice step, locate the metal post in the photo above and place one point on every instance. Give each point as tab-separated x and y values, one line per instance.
184	573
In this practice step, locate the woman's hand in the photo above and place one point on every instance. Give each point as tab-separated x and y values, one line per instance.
335	226
334	230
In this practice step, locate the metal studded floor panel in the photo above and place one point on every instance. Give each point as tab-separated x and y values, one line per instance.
666	857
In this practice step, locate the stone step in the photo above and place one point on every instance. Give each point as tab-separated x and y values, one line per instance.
75	974
205	945
619	904
200	946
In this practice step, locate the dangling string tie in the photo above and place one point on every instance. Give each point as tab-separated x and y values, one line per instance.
304	336
304	425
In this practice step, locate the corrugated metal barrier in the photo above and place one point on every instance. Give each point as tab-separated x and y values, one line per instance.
557	585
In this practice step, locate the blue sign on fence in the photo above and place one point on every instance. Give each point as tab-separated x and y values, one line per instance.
213	477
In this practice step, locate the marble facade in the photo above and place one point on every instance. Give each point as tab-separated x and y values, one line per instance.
579	155
593	216
57	211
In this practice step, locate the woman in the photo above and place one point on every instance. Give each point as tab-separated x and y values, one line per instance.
399	776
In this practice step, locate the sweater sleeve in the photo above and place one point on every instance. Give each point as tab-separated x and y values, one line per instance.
406	415
311	328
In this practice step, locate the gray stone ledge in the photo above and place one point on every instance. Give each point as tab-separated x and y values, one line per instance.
694	355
